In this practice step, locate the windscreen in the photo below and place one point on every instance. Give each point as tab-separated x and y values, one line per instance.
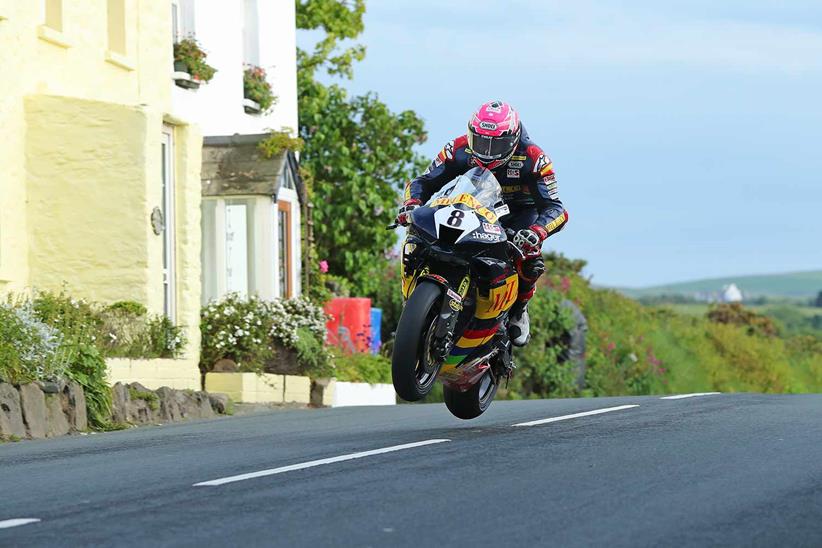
478	182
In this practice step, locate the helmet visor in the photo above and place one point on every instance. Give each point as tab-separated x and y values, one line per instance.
491	148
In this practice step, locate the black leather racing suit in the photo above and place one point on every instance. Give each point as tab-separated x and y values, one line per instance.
529	188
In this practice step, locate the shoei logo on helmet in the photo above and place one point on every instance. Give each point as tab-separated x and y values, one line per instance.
488	125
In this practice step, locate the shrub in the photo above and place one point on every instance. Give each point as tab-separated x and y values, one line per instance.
29	349
121	330
388	297
250	331
88	368
257	88
189	52
736	314
540	369
164	339
359	367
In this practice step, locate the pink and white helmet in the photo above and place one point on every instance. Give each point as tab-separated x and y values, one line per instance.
493	134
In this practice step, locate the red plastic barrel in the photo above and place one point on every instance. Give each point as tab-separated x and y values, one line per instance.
349	328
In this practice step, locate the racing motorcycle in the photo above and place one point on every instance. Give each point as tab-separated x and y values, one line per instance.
459	281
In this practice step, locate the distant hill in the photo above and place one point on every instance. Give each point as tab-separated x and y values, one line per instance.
793	285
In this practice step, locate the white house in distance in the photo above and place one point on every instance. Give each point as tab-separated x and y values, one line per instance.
252	206
731	294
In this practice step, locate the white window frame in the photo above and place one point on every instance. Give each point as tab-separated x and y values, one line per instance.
251	33
182	19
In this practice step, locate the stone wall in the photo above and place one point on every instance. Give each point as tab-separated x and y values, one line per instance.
135	404
46	410
41	410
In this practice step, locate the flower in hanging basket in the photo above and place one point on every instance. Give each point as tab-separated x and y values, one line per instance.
256	88
189	55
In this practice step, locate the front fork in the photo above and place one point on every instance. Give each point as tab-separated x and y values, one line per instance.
449	313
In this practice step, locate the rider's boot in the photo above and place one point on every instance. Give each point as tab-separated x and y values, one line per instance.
519	328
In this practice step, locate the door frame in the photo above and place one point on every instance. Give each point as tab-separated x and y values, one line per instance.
168	201
285	207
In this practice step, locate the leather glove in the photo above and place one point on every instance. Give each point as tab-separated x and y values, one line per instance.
404	214
529	240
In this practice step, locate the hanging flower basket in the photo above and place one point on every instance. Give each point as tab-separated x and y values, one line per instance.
190	67
259	97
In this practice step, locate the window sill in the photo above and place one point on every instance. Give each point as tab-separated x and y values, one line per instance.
184	80
53	36
119	60
251	107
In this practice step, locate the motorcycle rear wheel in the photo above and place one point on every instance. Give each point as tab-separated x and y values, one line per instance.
413	371
473	402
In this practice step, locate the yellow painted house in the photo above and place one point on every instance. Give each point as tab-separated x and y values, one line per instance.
99	180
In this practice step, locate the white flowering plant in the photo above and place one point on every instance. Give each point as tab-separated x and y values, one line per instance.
29	348
251	332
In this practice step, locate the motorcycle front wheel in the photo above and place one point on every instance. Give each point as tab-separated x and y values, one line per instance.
473	402
413	369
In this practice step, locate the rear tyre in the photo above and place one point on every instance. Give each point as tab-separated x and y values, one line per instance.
473	402
413	369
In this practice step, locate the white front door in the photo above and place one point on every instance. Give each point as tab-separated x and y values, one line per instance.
169	236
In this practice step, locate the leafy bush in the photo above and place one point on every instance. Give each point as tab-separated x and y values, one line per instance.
163	339
88	368
121	330
257	88
250	331
540	369
387	296
736	314
636	350
52	336
360	367
189	52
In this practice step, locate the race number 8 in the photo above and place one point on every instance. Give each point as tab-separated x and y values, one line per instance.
455	219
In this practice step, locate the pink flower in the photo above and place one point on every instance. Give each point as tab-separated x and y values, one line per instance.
323	266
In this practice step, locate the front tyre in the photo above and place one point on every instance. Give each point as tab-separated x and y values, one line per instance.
473	402
413	369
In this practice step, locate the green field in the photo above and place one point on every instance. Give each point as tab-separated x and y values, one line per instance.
796	285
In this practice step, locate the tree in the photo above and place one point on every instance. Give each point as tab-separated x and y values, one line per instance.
818	302
358	153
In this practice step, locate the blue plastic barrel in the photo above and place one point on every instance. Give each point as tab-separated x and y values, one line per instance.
376	332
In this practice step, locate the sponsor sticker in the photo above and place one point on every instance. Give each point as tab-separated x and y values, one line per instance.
493	229
454	295
513	173
487	237
464	285
488	125
515	164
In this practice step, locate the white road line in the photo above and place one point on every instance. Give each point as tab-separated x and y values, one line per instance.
320	462
576	415
17	522
697	395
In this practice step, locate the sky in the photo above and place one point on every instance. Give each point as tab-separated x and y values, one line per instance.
686	136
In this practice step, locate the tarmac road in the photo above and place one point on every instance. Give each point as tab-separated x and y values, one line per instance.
727	469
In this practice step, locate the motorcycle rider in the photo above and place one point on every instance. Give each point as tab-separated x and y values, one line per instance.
496	140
